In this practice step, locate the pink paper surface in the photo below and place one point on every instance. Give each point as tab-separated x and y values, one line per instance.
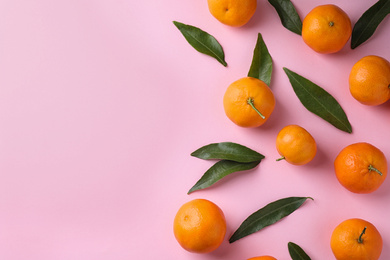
102	102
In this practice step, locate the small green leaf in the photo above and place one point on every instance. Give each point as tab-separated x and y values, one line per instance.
318	101
267	215
366	25
296	252
220	170
261	67
288	15
202	41
227	151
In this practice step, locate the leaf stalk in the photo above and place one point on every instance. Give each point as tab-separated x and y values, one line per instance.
250	102
360	240
372	168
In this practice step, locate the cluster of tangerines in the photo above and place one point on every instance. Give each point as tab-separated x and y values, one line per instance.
200	225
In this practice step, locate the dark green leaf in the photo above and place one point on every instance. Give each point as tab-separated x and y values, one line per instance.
288	15
202	41
261	67
318	101
220	170
368	22
268	215
296	252
228	151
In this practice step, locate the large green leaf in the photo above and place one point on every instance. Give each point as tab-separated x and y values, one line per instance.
220	170
288	15
202	41
366	25
261	67
296	252
318	101
228	151
267	215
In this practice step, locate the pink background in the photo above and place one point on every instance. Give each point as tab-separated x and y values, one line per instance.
102	102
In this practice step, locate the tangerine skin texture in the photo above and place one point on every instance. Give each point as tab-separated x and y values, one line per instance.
352	167
344	241
296	145
199	226
237	108
232	12
266	257
369	80
326	29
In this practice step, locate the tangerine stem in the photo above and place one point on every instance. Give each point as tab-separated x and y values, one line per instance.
250	102
372	168
331	23
360	240
281	158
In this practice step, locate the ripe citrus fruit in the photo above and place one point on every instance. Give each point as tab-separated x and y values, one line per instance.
232	12
296	145
369	80
361	167
326	29
266	257
356	239
248	102
199	226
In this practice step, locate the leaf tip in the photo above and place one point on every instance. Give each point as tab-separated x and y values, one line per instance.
191	190
232	239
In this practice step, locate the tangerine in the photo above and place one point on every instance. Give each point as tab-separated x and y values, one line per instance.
266	257
369	80
361	167
356	239
248	102
296	145
232	12
326	29
199	226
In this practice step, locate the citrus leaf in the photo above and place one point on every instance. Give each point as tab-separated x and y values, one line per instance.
296	252
261	67
366	25
267	215
220	170
288	15
202	41
228	151
318	101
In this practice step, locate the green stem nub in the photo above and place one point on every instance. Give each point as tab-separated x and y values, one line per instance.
360	240
250	102
372	168
331	23
281	158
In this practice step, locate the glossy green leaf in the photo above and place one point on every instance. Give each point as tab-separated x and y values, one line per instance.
228	151
220	170
367	24
318	101
296	252
202	41
288	15
261	67
267	215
